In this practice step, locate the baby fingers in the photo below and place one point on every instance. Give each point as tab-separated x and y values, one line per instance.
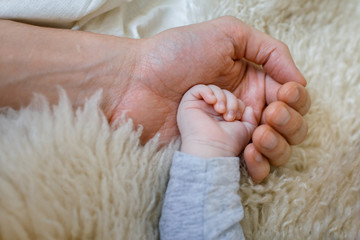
220	105
234	107
201	92
224	102
227	104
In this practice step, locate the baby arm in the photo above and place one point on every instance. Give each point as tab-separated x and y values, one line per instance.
202	200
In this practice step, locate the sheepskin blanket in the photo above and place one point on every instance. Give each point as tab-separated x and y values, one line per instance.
67	174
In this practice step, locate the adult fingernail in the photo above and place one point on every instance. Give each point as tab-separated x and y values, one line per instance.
269	140
281	117
293	95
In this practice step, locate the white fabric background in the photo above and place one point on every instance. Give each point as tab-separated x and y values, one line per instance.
59	13
84	180
116	17
139	19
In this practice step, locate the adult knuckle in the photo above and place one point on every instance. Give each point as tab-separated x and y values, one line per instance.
272	109
283	46
281	155
259	132
292	85
229	18
299	133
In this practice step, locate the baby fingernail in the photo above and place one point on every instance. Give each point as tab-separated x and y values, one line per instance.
281	117
269	140
231	115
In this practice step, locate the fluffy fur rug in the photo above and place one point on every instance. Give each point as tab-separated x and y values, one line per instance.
67	174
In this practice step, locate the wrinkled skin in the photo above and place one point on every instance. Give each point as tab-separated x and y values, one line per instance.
220	52
147	78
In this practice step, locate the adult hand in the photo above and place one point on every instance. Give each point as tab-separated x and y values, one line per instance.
222	52
147	78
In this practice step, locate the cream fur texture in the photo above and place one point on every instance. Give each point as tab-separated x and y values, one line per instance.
67	174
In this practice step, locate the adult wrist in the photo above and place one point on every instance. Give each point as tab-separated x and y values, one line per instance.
38	60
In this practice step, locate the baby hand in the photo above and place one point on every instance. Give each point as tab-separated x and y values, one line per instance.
214	123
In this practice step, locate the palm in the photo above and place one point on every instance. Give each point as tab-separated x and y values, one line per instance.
170	63
176	60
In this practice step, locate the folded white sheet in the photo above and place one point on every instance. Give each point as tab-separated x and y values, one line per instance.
130	18
57	13
139	18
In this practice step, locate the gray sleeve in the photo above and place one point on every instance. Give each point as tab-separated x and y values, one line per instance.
202	200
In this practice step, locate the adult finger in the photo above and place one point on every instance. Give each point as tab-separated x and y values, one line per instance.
293	94
271	145
296	96
260	48
286	121
257	165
